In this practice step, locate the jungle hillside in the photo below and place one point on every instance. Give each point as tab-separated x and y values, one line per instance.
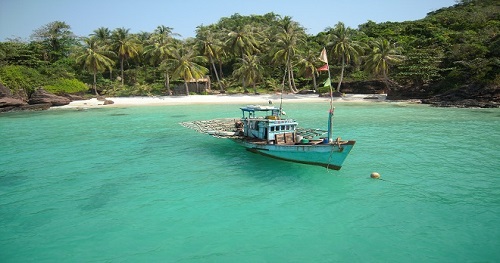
450	56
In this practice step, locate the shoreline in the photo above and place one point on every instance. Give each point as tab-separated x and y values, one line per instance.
218	99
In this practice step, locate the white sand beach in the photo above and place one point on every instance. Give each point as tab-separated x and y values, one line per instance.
219	99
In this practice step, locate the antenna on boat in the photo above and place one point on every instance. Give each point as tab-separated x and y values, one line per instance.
283	86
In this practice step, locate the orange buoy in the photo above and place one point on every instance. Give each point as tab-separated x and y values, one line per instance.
375	175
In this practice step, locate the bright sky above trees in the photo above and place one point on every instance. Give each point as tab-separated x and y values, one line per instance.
18	18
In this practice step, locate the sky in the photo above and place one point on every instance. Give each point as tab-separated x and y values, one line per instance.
19	18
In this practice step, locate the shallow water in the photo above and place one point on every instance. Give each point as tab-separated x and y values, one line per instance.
132	185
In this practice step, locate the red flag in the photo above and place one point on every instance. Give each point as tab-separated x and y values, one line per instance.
322	56
323	68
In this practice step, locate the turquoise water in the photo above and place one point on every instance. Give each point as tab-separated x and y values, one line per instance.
132	185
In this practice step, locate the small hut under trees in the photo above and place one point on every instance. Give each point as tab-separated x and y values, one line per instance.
199	86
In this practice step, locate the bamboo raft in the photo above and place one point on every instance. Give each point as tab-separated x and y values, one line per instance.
220	128
226	128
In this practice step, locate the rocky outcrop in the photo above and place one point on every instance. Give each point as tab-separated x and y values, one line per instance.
27	107
362	87
466	97
4	91
357	87
7	101
394	90
408	93
40	96
39	100
73	97
108	102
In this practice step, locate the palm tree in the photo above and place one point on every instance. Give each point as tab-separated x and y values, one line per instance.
165	32
103	38
125	45
102	35
249	70
289	37
343	47
94	58
382	56
159	48
186	65
211	48
243	40
308	63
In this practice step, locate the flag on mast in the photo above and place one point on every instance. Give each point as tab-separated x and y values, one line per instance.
327	83
323	57
323	68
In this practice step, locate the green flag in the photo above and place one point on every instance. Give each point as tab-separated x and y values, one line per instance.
327	83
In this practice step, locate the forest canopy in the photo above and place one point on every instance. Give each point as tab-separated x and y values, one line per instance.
447	49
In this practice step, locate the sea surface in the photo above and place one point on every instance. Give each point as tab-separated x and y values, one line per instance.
132	185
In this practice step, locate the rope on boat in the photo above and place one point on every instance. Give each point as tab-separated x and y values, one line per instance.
337	142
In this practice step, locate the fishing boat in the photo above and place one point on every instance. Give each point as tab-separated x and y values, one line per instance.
265	130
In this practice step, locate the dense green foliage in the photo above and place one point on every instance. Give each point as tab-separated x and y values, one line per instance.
66	86
21	80
450	47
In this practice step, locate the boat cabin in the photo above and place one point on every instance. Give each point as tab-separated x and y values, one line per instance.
265	123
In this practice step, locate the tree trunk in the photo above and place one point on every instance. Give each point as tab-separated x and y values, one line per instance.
291	83
167	84
295	90
94	85
220	69
341	74
314	81
289	79
243	79
245	90
187	88
254	88
386	82
121	67
216	74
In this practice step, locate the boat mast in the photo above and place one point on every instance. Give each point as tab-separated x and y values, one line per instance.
324	58
330	112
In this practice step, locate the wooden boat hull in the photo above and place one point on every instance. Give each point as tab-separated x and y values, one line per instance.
331	156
